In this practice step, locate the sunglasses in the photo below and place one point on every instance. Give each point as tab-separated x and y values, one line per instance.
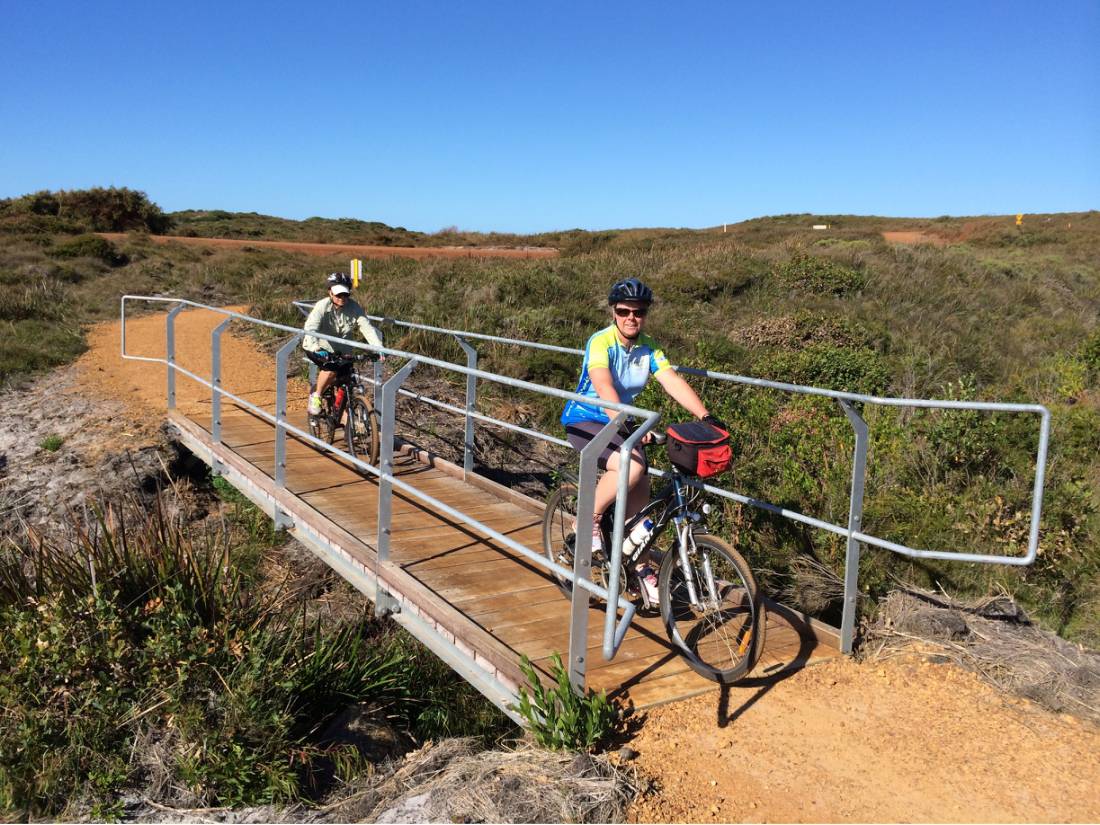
641	312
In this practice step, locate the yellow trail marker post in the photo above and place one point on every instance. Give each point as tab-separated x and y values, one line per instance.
356	272
1019	221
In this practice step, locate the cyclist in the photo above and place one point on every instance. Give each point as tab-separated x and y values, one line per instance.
618	361
337	316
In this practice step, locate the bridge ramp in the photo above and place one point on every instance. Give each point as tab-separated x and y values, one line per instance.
467	597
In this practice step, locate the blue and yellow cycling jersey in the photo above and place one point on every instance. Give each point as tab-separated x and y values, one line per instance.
630	370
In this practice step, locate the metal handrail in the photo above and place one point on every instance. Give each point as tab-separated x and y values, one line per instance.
614	632
851	531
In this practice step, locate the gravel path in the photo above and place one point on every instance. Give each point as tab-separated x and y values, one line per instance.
903	740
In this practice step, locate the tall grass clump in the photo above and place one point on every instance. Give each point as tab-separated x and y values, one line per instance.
138	651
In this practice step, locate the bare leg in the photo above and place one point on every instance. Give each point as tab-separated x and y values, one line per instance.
608	486
324	381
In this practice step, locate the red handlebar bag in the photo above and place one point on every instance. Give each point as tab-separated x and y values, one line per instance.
699	449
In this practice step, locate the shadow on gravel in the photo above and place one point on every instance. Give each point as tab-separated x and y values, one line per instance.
764	681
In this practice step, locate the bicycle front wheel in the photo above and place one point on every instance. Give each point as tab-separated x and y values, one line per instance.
361	432
721	634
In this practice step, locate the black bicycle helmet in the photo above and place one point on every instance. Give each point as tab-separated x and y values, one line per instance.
338	279
630	289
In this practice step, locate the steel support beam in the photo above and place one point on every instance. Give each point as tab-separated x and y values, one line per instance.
385	604
282	357
471	406
582	552
216	380
170	352
378	375
855	525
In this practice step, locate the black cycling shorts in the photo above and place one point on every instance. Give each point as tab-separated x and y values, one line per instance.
330	363
580	433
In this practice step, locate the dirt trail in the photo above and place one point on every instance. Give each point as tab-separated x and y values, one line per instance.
914	238
896	741
899	740
246	371
359	250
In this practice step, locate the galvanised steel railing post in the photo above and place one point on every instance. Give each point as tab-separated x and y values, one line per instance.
582	551
471	406
855	525
615	557
378	384
216	380
170	352
385	457
282	357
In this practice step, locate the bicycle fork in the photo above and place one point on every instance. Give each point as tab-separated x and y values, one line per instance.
687	547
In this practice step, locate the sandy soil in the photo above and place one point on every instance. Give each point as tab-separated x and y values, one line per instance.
108	415
904	740
914	238
141	386
901	740
356	250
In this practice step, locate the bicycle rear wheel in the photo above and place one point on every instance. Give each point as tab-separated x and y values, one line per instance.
721	636
361	432
558	539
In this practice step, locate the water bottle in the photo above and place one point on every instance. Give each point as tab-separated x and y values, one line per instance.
637	538
339	399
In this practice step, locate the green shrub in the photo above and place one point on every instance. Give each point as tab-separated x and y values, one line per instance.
558	717
113	210
554	369
808	273
1090	354
963	439
52	443
830	367
90	246
136	628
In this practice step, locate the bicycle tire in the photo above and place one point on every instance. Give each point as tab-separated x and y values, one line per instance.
321	426
557	529
720	642
361	432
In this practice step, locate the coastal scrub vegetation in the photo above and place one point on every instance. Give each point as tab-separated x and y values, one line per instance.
973	309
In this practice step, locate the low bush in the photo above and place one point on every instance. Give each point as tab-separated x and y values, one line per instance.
828	366
821	276
90	246
52	443
558	717
136	631
1090	354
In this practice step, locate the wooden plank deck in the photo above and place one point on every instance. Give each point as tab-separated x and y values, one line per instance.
492	600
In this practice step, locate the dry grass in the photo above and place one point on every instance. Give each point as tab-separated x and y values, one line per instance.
454	781
995	639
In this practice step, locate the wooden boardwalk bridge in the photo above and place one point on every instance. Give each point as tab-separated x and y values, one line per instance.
461	592
458	559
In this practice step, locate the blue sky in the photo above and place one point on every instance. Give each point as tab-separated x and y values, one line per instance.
524	117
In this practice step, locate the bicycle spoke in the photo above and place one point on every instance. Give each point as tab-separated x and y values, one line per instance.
720	637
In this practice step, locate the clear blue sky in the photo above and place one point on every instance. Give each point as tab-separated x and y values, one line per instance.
524	117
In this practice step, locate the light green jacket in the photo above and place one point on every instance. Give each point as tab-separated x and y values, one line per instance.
326	319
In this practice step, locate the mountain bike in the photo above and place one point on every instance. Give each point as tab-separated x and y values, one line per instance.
708	599
347	403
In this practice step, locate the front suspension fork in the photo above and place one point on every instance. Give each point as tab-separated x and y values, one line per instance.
686	541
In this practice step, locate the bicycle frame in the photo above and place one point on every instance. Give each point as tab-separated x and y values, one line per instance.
671	498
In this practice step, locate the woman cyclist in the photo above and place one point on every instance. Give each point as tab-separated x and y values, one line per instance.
618	361
338	316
